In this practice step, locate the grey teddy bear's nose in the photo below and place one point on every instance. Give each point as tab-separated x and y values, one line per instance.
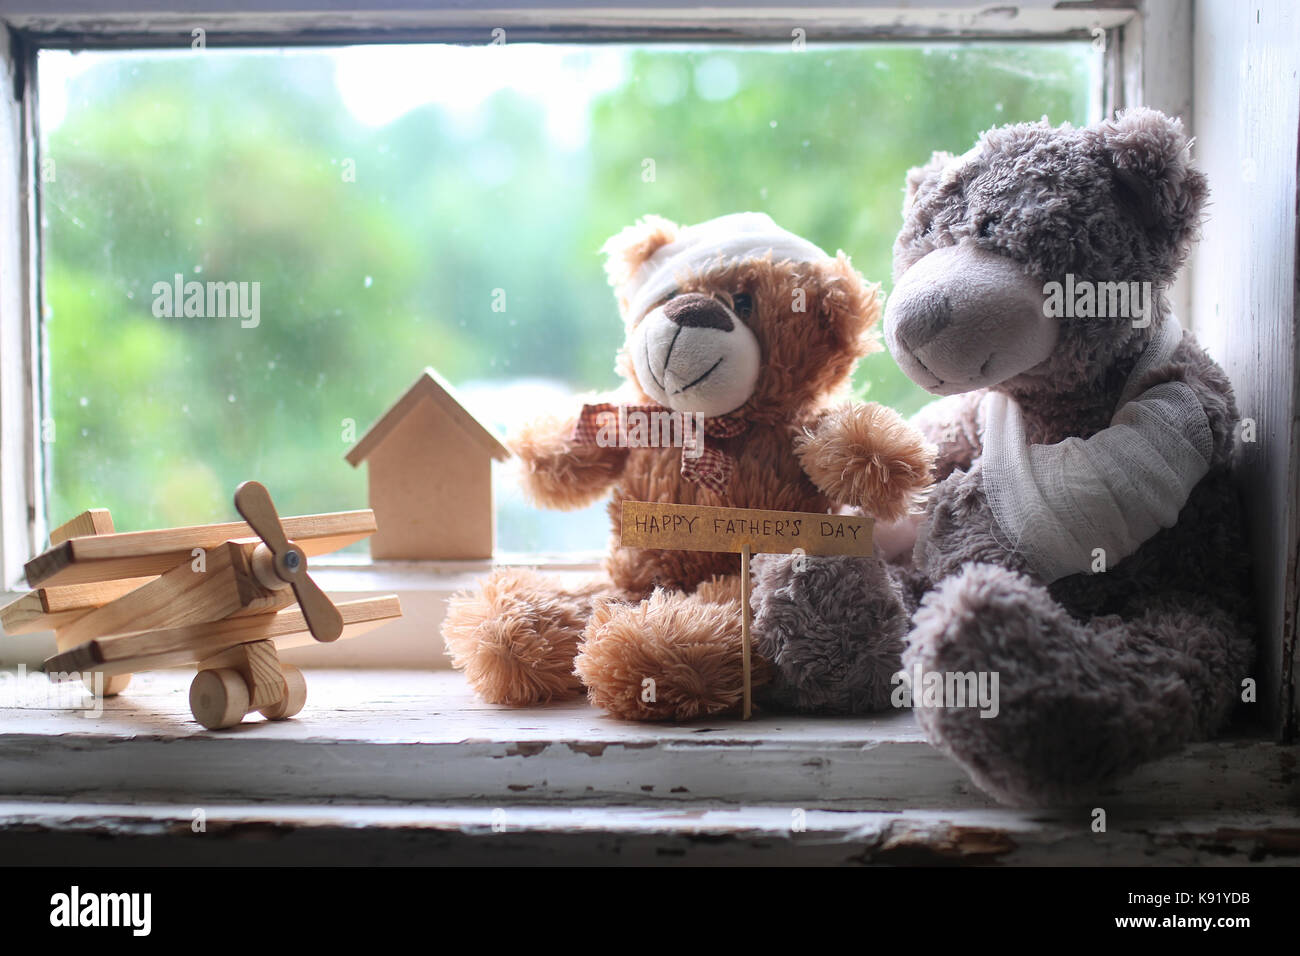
922	317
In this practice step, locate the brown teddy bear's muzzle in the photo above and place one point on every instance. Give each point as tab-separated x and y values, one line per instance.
693	354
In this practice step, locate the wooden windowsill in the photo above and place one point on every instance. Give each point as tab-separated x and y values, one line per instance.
420	766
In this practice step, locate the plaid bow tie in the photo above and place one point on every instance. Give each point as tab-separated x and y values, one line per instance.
712	468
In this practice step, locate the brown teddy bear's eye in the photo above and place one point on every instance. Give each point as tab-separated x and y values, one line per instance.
742	304
987	225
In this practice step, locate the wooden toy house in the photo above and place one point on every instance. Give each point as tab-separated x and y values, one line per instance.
430	464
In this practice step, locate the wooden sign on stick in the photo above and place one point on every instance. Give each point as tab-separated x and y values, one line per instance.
743	531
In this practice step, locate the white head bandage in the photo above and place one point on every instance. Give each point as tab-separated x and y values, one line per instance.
717	242
1057	504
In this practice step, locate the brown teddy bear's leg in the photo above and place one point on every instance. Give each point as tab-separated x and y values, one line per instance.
516	637
673	656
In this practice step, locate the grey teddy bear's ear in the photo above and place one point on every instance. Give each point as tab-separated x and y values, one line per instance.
1148	153
922	178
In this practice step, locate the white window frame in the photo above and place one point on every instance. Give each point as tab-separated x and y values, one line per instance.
1148	59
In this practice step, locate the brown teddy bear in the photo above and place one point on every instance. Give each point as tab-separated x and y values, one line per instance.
740	338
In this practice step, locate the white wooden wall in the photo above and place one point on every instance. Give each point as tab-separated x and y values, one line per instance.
1246	117
20	501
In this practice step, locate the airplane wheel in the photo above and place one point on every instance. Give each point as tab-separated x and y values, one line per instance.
295	696
113	685
218	698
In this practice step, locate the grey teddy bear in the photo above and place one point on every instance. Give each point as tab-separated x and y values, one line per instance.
1083	540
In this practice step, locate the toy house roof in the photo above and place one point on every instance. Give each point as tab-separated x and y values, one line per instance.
430	385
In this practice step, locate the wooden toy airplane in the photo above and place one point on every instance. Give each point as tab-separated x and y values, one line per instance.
222	596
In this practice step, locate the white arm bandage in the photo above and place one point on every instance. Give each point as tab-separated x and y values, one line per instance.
1057	504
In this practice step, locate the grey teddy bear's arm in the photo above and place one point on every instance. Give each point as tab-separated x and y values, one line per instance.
951	424
960	526
1191	366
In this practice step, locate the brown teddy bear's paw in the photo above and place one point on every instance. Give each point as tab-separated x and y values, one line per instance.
516	637
671	657
867	456
559	473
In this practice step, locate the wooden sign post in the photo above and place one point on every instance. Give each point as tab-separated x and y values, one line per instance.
743	531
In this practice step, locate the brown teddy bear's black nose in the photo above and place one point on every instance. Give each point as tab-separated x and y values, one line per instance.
697	311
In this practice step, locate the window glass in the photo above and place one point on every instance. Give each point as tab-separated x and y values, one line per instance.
368	211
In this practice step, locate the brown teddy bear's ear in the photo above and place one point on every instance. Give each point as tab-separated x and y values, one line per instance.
854	309
1152	173
627	251
922	178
